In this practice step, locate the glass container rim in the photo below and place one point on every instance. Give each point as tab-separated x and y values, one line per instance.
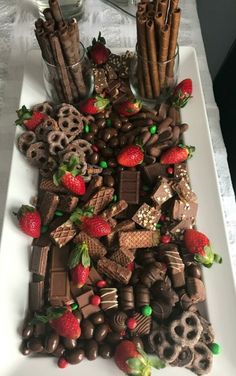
68	66
158	62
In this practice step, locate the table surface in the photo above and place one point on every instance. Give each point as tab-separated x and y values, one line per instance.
17	37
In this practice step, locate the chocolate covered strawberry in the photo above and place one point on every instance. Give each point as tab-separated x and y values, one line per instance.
98	51
129	107
62	320
93	225
198	244
68	176
182	93
93	106
29	221
79	263
133	361
130	156
177	154
29	119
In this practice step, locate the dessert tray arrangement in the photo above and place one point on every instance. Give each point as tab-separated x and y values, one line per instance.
116	262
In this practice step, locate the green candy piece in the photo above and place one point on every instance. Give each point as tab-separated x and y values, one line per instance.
146	188
153	129
114	198
86	128
44	229
58	213
158	225
146	310
215	348
74	306
103	164
109	122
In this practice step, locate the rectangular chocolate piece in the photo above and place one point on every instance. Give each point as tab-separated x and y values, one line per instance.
184	210
143	326
100	80
67	203
184	191
46	184
100	200
180	171
114	209
178	228
43	241
38	263
83	301
122	226
129	186
151	173
162	192
63	233
147	217
93	277
196	289
47	207
59	258
139	239
96	248
36	301
114	271
92	187
123	256
170	254
59	288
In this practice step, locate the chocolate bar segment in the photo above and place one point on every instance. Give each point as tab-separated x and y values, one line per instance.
126	298
113	270
48	206
85	306
59	288
122	226
59	258
36	291
151	173
147	217
184	210
129	186
162	192
114	209
46	184
139	239
96	248
184	191
38	262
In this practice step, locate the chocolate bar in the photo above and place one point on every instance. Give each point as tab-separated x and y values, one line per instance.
108	298
114	209
129	186
180	171
63	233
147	217
114	270
151	173
96	248
184	210
93	277
92	187
170	254
59	258
178	228
122	256
138	239
59	288
162	192
184	191
48	206
196	289
36	301
38	262
46	184
67	203
85	306
100	80
100	199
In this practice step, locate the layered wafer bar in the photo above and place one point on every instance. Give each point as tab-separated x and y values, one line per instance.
139	239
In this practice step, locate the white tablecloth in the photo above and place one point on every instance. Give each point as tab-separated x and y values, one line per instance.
17	37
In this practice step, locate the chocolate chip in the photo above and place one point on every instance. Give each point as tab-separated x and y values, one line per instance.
24	349
75	356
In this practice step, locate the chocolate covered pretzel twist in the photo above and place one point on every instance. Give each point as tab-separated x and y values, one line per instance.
186	331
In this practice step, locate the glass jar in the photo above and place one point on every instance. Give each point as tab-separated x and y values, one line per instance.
156	86
70	8
69	84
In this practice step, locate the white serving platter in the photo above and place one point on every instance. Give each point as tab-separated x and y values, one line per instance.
15	246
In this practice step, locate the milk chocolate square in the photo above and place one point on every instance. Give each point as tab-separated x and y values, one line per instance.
59	258
129	185
36	301
38	262
59	288
184	210
151	173
184	191
162	192
147	217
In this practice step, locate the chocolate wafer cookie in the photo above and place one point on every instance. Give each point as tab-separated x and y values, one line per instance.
63	233
122	226
46	184
139	239
47	207
100	199
96	248
122	256
114	270
67	203
114	209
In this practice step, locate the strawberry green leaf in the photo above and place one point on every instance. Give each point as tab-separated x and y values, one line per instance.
155	362
85	256
75	256
218	259
37	319
134	363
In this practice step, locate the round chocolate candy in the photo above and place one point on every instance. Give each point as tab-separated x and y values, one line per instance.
74	356
142	296
101	144
27	332
107	171
35	345
105	351
89	137
93	128
112	163
59	351
91	349
113	142
109	133
117	321
122	140
117	123
87	329
101	123
113	338
51	342
97	318
69	344
100	332
194	271
78	315
107	153
161	310
126	127
109	181
24	349
94	158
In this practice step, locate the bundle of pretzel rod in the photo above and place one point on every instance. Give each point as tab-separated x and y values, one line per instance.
60	46
158	24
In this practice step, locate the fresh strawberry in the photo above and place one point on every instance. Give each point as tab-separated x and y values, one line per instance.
93	106
129	107
98	51
69	177
93	225
29	221
182	93
133	361
29	119
198	244
79	263
177	154
130	156
62	320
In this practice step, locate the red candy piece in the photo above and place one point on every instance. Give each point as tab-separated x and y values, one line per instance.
101	284
62	362
170	170
165	239
130	266
95	300
131	323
